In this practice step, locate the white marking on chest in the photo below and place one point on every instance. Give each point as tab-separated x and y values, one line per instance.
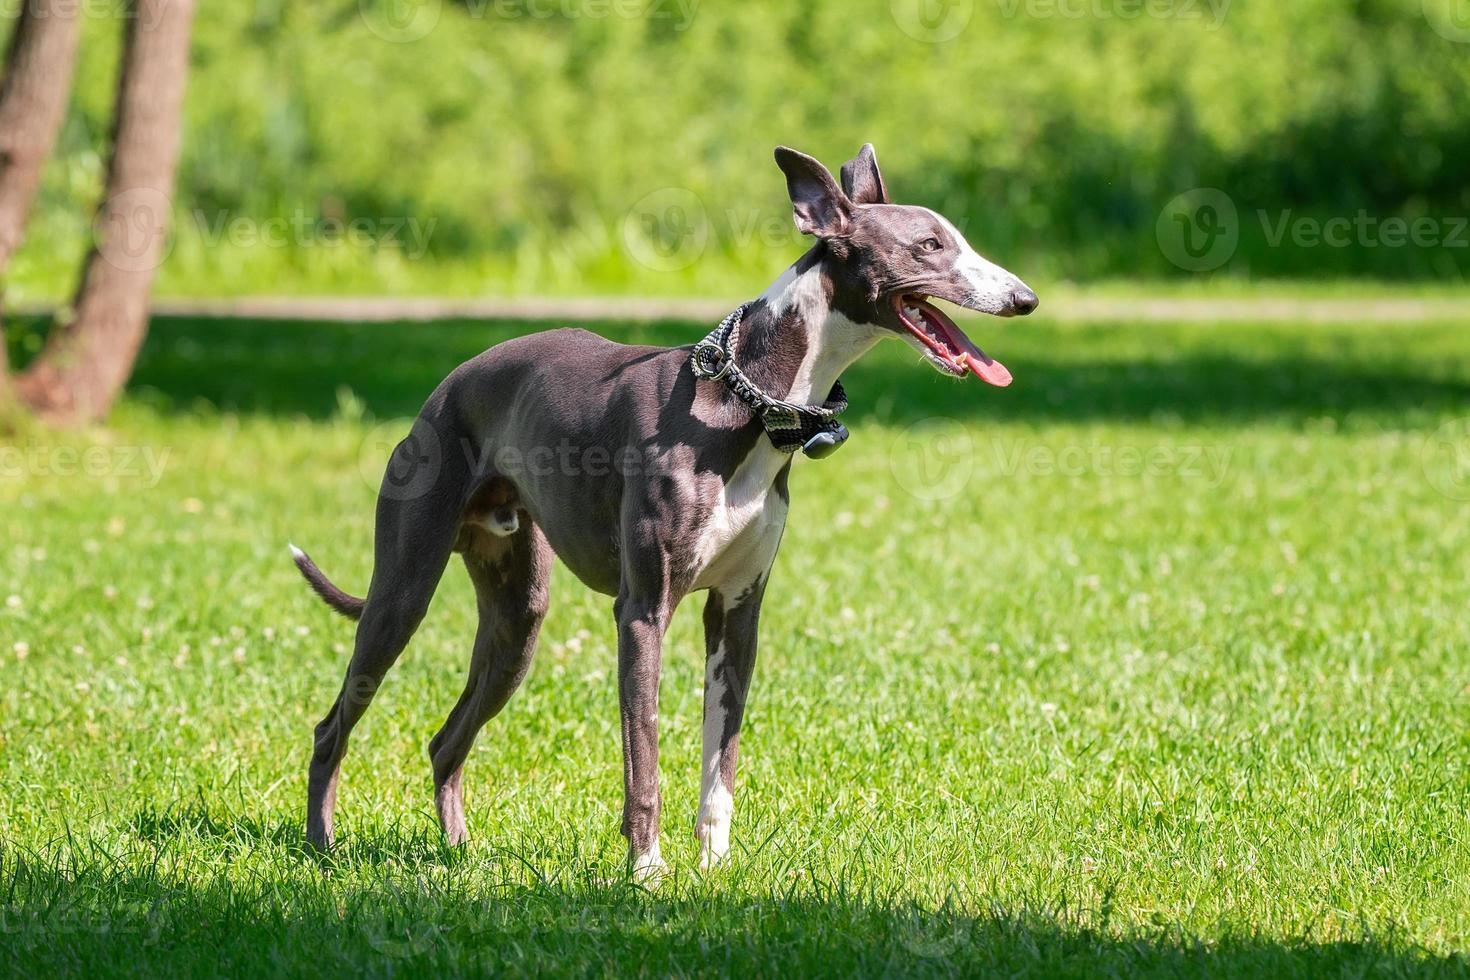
744	524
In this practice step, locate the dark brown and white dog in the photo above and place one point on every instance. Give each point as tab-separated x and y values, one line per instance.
648	482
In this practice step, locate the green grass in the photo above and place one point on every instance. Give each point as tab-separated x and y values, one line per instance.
1020	708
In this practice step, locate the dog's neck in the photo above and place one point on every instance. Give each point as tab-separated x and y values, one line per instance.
793	343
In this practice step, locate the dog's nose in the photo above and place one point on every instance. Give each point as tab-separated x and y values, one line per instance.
1023	301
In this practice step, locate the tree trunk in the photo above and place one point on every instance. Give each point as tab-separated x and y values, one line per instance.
87	361
33	97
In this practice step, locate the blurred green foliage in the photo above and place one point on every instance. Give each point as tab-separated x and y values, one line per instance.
527	146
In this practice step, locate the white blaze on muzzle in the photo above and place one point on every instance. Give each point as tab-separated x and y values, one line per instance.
991	288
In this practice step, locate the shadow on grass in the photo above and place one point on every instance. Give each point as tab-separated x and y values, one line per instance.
1228	374
235	834
209	915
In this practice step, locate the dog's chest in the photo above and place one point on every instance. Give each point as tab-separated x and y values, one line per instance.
743	526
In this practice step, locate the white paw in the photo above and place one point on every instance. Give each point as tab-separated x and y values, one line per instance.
649	867
714	846
712	828
714	840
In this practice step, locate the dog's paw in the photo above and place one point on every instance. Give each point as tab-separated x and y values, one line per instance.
714	844
649	867
712	827
709	858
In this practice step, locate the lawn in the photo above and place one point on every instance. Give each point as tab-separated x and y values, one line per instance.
1153	664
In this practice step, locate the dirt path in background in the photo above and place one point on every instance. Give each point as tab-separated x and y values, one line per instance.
1075	308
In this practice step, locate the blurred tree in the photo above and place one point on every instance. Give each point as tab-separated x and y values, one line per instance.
88	358
33	97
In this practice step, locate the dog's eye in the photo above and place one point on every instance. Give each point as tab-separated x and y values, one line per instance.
930	245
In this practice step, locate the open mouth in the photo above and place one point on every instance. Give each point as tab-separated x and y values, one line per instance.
945	344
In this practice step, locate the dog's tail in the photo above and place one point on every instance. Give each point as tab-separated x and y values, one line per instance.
348	605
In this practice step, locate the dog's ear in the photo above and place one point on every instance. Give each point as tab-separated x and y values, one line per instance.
862	180
821	207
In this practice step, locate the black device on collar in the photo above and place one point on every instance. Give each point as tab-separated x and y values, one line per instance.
813	429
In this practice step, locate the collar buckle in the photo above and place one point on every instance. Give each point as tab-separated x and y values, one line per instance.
710	360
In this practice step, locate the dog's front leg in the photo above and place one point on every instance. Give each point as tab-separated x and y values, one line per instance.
641	626
730	626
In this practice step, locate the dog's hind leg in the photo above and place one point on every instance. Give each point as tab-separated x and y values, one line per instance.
512	578
417	520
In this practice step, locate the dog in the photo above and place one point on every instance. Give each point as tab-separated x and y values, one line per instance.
651	473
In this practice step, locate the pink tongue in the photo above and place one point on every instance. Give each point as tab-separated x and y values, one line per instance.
985	367
989	370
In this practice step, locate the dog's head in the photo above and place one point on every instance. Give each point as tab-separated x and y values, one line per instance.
888	260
